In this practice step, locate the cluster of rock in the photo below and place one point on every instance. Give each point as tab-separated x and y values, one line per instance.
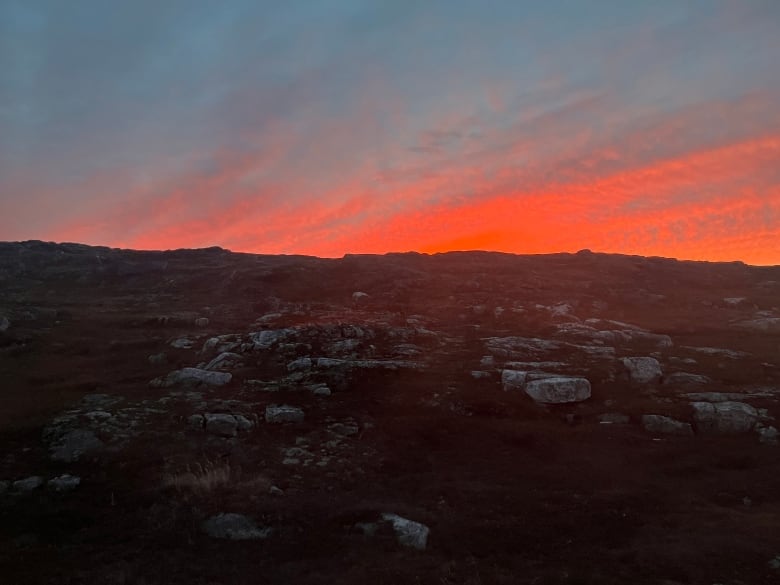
61	484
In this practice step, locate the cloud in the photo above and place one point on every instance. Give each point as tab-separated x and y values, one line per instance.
371	127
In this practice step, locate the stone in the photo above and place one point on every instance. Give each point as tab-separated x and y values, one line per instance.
222	425
158	359
767	435
4	324
300	364
74	444
558	390
284	413
182	343
234	527
665	425
4	486
359	296
64	483
766	324
513	380
319	389
28	484
643	370
196	421
408	532
202	322
275	491
480	375
224	361
244	424
193	376
686	379
724	417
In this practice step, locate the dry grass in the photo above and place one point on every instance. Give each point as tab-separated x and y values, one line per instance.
207	477
200	477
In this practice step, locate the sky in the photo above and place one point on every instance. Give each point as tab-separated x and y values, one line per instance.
327	127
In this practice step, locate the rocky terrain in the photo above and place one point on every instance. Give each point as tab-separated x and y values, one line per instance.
206	417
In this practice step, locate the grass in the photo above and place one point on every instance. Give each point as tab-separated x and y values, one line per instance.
200	477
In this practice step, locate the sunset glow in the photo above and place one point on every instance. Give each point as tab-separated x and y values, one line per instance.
372	127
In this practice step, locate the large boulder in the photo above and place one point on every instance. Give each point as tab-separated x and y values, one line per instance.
558	390
234	527
665	425
643	370
727	418
193	377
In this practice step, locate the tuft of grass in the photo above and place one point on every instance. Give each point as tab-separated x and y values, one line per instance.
200	477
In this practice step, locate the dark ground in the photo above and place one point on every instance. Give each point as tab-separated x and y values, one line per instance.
513	491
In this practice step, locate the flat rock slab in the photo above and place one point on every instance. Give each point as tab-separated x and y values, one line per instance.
234	527
193	376
558	390
283	413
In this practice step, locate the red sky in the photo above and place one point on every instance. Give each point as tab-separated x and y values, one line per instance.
367	128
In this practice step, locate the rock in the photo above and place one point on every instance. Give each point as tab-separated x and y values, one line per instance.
234	527
4	324
224	361
222	425
558	390
4	486
724	417
182	343
284	413
202	322
766	324
767	435
195	421
275	491
267	338
480	375
74	444
319	389
193	376
64	483
158	359
686	379
513	380
28	484
613	418
244	424
359	296
300	364
665	425
408	532
643	370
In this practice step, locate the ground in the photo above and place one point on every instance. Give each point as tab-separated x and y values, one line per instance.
404	412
